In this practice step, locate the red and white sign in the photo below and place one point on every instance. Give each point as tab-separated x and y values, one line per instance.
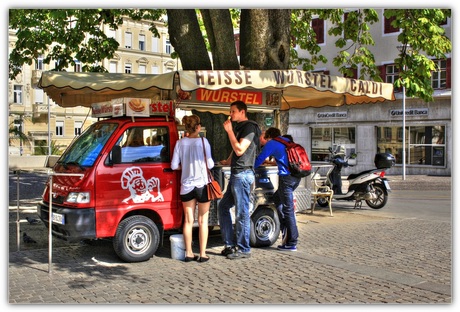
229	96
102	109
137	107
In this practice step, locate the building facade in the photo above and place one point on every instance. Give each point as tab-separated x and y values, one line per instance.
366	129
363	130
42	121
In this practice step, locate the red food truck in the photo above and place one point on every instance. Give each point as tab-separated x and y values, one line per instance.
107	184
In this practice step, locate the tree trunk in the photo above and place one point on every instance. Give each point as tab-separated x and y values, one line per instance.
218	24
185	36
265	39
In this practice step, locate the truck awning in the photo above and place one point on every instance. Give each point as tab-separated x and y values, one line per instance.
299	89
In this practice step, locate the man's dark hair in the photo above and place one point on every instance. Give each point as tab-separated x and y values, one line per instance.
272	133
240	105
288	136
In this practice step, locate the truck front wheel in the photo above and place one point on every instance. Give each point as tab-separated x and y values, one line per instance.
137	239
265	227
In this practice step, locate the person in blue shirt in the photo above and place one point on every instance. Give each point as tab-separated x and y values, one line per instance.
283	197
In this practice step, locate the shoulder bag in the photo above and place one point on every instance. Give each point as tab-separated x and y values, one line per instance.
214	190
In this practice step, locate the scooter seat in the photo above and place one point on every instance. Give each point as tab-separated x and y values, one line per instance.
354	175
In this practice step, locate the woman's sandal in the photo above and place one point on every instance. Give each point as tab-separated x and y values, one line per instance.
203	259
194	258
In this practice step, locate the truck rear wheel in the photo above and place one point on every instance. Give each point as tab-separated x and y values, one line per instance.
265	227
137	239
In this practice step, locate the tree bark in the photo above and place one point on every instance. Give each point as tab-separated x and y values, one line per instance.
185	36
219	29
265	39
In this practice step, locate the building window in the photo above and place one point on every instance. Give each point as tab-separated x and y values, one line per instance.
77	67
155	44
113	67
439	76
17	124
128	40
350	18
59	128
425	145
237	43
168	48
320	72
323	138
77	127
444	22
111	33
389	74
384	134
387	28
318	27
353	73
155	69
142	42
38	96
39	65
128	68
17	96
142	69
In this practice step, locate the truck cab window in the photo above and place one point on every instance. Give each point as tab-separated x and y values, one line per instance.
144	144
87	147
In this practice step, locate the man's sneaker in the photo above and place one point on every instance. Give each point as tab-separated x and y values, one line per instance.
228	250
287	248
239	255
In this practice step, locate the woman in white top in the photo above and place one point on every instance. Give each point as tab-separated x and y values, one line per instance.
188	156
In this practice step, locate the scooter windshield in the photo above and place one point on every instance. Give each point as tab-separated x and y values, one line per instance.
85	149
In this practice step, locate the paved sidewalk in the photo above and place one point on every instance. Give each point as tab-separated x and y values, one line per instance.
361	260
420	182
351	258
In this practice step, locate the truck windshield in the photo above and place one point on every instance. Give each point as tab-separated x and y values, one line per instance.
85	149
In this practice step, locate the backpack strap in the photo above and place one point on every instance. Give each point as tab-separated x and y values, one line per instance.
284	142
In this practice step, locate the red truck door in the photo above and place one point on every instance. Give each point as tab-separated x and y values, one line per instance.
142	182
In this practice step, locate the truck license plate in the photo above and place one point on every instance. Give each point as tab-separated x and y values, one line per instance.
58	218
387	185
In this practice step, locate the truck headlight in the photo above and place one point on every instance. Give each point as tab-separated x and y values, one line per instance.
78	197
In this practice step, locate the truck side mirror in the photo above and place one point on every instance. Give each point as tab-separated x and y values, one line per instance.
116	155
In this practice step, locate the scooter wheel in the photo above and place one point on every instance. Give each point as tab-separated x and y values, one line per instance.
381	197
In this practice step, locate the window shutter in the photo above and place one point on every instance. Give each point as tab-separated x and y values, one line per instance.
382	72
448	76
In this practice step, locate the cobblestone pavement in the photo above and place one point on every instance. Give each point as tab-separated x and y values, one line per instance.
350	258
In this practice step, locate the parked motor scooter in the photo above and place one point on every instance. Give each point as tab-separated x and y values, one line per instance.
370	185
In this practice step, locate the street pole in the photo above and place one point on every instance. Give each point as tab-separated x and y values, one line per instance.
49	133
404	132
402	49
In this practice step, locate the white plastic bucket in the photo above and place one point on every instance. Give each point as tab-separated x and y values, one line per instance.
177	246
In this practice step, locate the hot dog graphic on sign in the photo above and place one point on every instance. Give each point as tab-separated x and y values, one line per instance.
137	107
140	189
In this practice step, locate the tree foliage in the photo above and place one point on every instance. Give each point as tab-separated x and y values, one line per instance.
64	36
268	38
15	133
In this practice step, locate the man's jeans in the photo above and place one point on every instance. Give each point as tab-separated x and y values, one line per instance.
284	202
238	195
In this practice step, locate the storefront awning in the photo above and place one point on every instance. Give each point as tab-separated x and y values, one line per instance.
299	89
